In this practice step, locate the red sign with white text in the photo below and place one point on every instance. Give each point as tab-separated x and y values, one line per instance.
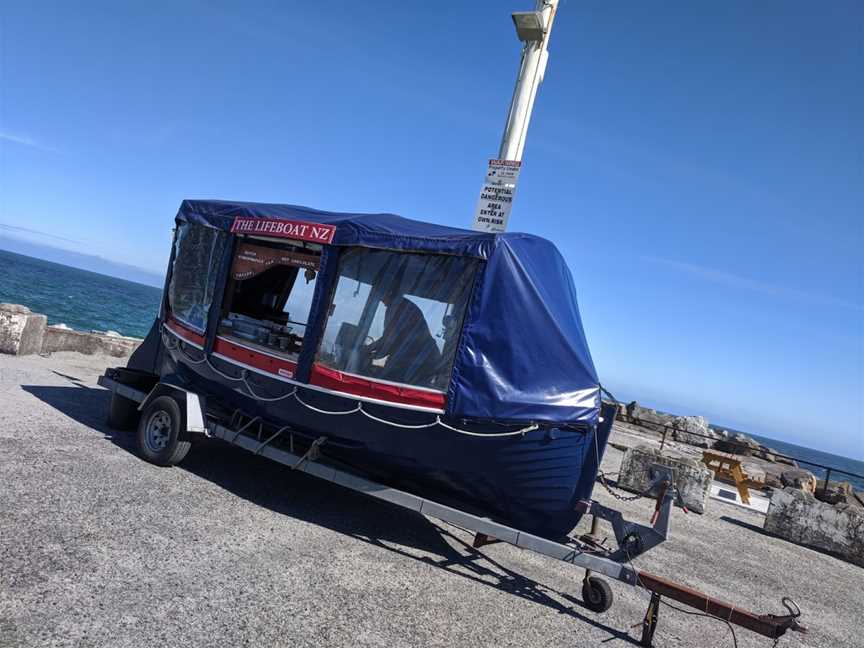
280	228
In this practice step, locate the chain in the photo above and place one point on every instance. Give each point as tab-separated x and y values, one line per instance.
620	498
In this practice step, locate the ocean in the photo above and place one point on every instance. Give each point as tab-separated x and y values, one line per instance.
80	299
86	301
819	457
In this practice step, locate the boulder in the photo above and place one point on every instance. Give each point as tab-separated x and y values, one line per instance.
692	478
801	518
799	479
766	453
835	493
693	430
773	473
739	444
21	331
649	418
784	460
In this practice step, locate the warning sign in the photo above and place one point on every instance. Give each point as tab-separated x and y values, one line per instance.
496	197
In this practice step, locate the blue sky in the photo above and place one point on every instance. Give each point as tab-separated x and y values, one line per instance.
698	164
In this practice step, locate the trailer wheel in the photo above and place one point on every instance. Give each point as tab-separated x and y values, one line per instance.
159	432
122	412
596	594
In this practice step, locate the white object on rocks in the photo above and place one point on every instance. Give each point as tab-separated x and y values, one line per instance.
692	478
20	330
800	518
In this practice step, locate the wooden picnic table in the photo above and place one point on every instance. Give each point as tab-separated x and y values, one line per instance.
728	466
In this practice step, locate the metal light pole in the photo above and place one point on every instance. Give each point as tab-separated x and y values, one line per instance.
496	196
534	29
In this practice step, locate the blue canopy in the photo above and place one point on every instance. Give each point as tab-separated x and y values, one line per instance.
522	355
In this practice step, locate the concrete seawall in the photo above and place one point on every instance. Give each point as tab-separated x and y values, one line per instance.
23	332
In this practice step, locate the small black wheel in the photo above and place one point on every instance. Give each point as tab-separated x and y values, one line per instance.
160	432
122	413
596	594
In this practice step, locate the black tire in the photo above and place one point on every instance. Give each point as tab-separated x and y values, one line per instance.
596	594
161	431
122	413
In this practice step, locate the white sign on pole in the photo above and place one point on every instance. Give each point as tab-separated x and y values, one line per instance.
496	197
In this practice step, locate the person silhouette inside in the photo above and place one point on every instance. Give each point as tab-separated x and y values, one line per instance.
412	357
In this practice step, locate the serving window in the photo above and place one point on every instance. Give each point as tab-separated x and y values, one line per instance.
397	316
198	251
269	295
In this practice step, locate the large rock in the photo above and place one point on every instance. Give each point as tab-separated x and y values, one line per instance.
801	518
835	493
773	475
739	444
649	418
20	330
694	430
799	479
692	478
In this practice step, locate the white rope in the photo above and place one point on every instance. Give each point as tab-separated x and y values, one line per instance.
294	392
174	345
263	398
227	376
524	430
399	425
321	411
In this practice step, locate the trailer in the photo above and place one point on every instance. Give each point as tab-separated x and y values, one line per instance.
171	414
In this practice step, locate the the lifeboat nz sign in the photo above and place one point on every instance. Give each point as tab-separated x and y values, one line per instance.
281	228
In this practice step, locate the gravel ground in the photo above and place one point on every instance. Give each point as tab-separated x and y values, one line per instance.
98	548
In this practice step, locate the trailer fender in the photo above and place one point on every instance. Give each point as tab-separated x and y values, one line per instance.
193	403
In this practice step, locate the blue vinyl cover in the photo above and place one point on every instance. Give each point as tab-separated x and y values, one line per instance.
522	356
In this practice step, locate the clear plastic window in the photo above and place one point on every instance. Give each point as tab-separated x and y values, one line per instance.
269	295
397	316
197	254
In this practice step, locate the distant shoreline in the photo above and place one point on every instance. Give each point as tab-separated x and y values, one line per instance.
84	262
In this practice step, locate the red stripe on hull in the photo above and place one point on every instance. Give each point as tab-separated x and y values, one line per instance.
366	388
185	332
330	379
262	361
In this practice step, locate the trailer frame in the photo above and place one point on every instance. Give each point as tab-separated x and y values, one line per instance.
633	539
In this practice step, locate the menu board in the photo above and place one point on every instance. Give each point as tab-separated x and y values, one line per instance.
251	260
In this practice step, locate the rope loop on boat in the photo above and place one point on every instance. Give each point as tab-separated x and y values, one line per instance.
173	344
321	411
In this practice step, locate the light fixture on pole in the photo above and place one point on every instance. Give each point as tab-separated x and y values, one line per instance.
529	25
534	29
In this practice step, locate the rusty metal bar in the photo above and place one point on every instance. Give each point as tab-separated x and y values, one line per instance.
768	625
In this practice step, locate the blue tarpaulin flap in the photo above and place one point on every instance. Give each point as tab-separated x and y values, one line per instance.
523	354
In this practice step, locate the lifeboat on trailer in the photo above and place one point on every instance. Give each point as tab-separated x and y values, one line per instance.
436	359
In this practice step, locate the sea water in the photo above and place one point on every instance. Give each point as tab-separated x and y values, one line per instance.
80	299
835	462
